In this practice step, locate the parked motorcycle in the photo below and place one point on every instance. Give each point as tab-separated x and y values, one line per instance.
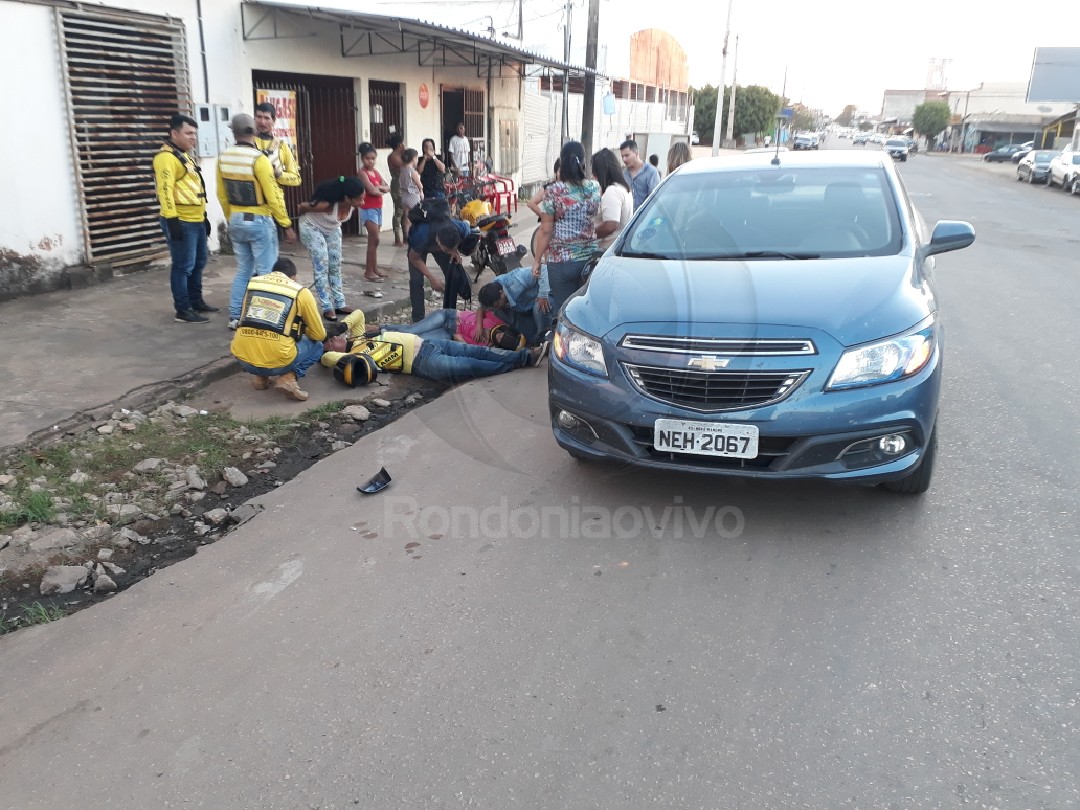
496	250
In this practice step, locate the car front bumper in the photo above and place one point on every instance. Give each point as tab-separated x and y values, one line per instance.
808	436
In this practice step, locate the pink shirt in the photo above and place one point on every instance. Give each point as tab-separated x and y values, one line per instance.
466	325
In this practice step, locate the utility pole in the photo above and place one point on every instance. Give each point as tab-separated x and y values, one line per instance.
588	113
729	141
566	76
716	133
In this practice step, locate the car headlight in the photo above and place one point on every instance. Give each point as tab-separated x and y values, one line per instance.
885	361
579	350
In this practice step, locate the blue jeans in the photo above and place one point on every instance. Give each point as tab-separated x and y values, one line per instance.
439	325
533	324
325	250
565	280
189	257
255	245
459	362
308	352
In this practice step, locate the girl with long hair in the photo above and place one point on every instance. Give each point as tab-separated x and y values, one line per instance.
432	170
566	241
616	202
331	204
371	209
677	155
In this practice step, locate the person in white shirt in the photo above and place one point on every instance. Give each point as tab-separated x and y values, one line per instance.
460	149
616	203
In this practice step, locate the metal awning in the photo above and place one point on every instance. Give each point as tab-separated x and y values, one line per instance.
365	34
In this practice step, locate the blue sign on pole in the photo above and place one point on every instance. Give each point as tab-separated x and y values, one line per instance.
787	112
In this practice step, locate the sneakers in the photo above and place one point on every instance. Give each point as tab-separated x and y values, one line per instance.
537	355
234	324
189	316
261	383
289	384
202	306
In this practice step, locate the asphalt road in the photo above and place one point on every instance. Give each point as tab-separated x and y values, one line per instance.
569	636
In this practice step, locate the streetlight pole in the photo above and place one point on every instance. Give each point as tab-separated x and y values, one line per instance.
720	91
729	141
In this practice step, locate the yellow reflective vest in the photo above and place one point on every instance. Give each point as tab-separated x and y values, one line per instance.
391	351
245	183
281	158
180	189
276	313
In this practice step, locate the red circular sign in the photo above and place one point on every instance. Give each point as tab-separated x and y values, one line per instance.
425	97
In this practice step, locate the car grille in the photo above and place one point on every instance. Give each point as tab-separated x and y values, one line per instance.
714	390
731	347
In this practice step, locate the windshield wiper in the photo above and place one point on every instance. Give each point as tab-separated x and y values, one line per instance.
644	254
775	254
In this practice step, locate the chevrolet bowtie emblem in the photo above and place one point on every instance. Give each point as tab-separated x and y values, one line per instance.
709	363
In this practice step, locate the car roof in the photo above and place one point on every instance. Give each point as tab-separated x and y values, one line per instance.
834	158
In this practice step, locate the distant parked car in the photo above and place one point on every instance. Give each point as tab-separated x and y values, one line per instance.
1003	154
897	148
1023	151
912	145
861	138
805	140
1035	166
1064	170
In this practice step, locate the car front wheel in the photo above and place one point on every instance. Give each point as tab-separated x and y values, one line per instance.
1066	184
918	480
1076	185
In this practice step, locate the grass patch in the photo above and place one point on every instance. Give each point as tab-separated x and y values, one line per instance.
210	442
30	506
30	615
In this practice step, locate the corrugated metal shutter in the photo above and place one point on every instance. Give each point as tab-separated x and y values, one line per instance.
542	128
124	76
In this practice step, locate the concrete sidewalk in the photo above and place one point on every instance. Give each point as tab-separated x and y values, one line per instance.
73	357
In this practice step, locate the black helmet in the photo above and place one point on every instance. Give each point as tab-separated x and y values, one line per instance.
356	369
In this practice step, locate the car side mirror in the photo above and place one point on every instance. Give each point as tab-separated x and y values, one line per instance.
950	235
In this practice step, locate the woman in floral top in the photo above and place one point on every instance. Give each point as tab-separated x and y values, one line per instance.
566	241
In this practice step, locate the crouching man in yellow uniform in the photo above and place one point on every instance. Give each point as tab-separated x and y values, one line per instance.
430	358
281	333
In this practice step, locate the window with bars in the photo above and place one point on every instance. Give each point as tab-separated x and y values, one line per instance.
386	111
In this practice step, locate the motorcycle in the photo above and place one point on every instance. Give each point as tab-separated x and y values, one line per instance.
496	249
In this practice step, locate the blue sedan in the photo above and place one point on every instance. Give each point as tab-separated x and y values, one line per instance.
767	317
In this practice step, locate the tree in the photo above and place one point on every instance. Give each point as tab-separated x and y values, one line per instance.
755	109
803	120
844	119
705	112
865	126
931	118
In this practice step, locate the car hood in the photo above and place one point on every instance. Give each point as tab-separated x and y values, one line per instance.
853	300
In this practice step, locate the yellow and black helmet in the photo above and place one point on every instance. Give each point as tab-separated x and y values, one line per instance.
356	369
503	336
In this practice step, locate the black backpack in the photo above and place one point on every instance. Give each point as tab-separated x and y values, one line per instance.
430	209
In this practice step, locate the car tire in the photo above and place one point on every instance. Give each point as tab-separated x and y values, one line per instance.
1075	186
1066	184
917	481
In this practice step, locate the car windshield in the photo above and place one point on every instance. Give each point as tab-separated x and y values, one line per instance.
895	142
1076	159
786	213
1043	157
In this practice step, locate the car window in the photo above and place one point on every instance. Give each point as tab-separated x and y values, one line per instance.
895	142
1076	159
806	212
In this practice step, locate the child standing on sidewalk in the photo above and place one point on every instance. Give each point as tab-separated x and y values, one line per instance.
371	209
412	190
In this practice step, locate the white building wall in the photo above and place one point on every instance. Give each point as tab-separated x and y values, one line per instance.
41	221
46	227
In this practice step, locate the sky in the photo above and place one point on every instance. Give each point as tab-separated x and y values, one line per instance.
835	52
